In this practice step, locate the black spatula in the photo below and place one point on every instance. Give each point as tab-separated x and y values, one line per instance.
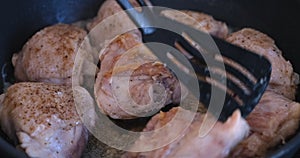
240	75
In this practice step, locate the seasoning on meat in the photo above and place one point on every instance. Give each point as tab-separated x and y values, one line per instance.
42	120
49	55
283	80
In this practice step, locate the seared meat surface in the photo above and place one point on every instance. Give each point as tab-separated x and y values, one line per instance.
148	80
42	120
49	55
273	120
199	21
126	56
216	144
283	79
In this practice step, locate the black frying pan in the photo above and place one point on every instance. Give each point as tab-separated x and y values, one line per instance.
279	19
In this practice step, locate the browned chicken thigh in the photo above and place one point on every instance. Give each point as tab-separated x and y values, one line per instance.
126	57
49	55
42	120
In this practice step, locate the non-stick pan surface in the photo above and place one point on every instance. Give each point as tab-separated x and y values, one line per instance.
279	19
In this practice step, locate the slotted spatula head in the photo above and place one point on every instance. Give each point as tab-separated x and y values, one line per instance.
221	68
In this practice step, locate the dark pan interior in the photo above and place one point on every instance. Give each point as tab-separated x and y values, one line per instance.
277	18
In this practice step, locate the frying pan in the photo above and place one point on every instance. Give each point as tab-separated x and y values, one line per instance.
279	19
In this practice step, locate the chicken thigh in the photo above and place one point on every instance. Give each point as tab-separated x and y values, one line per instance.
276	117
216	144
49	55
272	121
110	22
283	79
126	56
109	8
42	120
149	81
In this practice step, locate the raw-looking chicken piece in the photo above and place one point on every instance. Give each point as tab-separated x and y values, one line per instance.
150	85
283	80
109	8
273	120
110	22
49	55
216	144
199	21
42	120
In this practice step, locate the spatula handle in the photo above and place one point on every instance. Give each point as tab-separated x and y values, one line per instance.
141	19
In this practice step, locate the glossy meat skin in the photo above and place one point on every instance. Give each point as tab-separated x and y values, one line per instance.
272	121
216	144
283	79
199	21
126	56
48	56
42	120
